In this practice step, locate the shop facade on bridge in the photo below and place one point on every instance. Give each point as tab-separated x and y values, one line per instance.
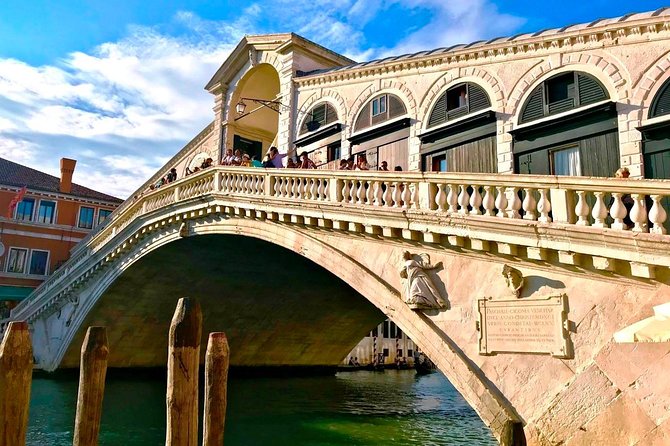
580	100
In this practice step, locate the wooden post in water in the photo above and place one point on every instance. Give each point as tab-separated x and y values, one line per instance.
182	374
92	371
217	360
16	369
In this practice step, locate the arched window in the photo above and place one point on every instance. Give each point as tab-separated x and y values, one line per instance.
661	104
560	93
457	101
319	116
381	108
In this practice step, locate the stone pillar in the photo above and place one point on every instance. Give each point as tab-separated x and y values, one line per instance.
219	121
288	111
504	145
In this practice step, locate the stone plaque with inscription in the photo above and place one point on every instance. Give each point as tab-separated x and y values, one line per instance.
530	325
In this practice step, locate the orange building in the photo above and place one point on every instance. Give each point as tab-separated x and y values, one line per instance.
41	218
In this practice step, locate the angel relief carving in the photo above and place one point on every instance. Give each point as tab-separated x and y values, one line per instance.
420	293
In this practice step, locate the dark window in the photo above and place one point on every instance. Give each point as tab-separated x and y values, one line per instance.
103	214
561	93
458	101
375	332
318	116
387	329
16	261
334	152
379	105
46	211
386	352
86	217
38	262
410	352
398	353
24	210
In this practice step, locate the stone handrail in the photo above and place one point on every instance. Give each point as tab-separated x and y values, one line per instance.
543	200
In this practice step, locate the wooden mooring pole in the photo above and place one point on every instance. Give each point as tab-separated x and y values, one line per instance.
16	368
92	372
182	374
217	360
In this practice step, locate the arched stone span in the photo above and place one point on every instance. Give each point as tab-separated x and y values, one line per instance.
613	78
466	376
490	83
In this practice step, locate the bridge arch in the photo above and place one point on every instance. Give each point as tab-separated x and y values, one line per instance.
463	373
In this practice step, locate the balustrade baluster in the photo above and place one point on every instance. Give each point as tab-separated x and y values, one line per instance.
301	187
582	209
513	203
360	193
488	202
475	201
314	192
415	196
657	215
618	212
353	193
441	198
501	202
529	204
599	212
397	194
406	195
463	200
452	199
323	189
544	207
378	193
370	192
388	194
639	214
345	191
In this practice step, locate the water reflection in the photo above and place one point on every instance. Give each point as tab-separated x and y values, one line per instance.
360	408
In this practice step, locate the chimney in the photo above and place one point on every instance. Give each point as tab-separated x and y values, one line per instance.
66	171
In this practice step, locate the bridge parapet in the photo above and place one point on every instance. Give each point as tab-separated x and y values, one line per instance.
575	220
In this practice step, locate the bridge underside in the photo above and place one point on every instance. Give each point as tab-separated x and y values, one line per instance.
276	307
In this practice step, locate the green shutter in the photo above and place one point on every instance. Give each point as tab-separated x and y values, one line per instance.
395	106
661	104
363	120
477	98
439	113
590	90
331	115
561	106
534	107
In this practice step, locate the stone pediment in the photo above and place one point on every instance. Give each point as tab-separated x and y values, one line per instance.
281	44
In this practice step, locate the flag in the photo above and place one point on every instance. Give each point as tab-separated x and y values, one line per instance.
15	201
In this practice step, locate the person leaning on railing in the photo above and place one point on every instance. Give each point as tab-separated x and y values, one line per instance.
627	200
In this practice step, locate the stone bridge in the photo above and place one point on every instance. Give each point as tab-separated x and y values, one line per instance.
296	266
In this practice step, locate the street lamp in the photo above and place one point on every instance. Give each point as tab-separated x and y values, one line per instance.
272	105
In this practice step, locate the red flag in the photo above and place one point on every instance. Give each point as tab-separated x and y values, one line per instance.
15	201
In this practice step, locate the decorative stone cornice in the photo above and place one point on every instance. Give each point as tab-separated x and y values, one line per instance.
607	33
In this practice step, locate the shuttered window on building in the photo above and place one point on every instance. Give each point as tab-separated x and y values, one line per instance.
562	93
458	101
393	107
661	104
319	116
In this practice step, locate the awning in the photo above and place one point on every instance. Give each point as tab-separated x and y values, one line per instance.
8	292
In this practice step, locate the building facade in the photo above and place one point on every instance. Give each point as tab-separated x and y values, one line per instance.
386	344
43	217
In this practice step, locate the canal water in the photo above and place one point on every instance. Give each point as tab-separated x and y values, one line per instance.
353	408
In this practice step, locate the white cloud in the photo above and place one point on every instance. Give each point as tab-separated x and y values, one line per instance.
125	107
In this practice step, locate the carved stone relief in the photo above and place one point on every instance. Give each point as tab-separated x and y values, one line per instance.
419	290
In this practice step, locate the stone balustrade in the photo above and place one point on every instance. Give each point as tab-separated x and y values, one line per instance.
405	203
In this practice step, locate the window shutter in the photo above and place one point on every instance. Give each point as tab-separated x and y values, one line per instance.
395	107
439	113
457	113
534	108
590	90
363	120
477	97
331	114
661	104
319	113
561	106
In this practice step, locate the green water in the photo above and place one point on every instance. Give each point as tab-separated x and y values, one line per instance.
358	408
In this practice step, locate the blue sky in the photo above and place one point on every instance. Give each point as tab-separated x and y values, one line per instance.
119	85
